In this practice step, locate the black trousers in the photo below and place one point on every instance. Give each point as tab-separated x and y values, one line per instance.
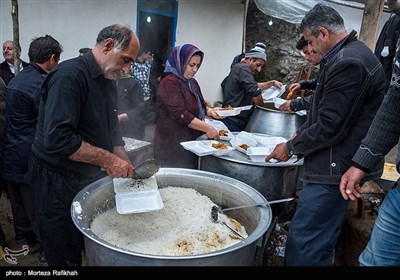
21	200
54	191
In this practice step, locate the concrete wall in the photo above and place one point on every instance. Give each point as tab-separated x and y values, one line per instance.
74	23
214	26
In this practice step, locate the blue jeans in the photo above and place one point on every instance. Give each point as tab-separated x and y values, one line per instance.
383	248
315	227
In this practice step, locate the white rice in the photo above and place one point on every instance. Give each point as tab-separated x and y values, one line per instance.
182	227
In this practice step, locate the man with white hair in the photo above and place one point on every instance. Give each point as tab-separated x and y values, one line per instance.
7	69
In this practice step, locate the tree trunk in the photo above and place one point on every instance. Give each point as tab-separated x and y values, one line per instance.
246	7
17	47
370	22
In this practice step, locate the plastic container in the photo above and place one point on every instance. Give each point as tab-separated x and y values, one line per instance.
137	196
258	154
204	148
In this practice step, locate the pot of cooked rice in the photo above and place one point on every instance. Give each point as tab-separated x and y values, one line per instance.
180	234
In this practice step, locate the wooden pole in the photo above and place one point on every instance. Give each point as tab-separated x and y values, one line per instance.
246	7
370	22
16	45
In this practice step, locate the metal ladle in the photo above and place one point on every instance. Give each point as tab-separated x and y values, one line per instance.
146	169
216	210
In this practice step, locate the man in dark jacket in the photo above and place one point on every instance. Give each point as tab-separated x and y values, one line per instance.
383	248
21	117
350	89
78	139
7	71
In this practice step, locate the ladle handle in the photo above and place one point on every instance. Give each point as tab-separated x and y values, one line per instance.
258	204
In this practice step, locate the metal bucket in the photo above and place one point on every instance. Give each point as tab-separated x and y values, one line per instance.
224	191
274	122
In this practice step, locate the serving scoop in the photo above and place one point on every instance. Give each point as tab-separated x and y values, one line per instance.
216	210
146	169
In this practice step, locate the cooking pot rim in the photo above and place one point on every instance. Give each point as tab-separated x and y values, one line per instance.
258	233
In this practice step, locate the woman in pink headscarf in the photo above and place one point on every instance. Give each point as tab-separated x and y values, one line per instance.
182	109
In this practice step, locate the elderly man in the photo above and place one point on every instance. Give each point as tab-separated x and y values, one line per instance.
350	89
78	137
7	70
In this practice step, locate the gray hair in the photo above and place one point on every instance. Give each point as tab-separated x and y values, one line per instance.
120	33
322	16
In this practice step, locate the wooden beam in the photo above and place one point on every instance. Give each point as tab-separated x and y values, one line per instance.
370	22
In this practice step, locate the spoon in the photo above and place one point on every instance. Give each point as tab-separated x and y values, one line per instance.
215	210
146	169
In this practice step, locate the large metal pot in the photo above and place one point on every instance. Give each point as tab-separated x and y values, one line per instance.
274	122
273	180
99	197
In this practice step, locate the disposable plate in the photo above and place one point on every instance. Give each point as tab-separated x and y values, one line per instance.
138	202
272	92
243	138
204	148
258	154
137	196
218	125
235	111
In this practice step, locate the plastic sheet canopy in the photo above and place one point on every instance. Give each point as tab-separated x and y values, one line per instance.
293	11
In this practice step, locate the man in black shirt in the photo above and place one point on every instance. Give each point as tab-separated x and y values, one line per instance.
78	138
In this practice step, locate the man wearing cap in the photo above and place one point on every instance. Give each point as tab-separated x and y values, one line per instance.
241	88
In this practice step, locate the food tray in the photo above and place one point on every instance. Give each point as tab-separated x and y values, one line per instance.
128	185
244	138
258	154
301	113
138	202
278	102
204	148
233	112
218	125
137	196
272	92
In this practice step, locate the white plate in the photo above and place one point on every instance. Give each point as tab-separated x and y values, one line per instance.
272	92
204	148
136	196
243	138
128	185
301	113
278	102
138	202
234	112
266	141
258	154
218	125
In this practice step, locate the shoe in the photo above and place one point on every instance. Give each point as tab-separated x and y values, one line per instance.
42	257
34	249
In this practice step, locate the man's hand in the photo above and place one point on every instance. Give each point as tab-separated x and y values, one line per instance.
279	153
285	107
350	183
